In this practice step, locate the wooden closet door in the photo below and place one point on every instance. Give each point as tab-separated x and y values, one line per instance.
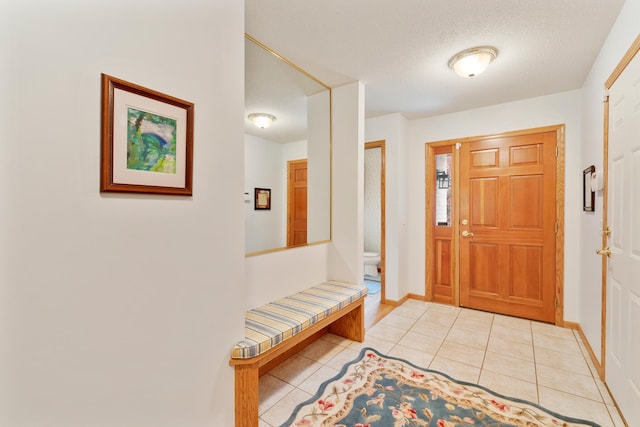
297	203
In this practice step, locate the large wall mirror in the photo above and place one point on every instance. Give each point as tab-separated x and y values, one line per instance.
287	153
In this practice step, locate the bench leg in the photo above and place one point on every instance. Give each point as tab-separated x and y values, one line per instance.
246	395
351	325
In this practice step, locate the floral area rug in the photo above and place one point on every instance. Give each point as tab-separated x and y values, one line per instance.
376	390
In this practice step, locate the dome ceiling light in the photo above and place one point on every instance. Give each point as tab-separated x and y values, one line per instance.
471	62
262	120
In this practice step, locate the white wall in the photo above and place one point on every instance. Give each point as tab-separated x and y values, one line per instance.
346	250
372	199
622	35
117	310
296	150
392	129
278	274
263	168
319	165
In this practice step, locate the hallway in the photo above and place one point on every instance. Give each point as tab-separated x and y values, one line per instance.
534	361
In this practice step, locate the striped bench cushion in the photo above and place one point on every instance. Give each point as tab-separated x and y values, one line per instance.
271	324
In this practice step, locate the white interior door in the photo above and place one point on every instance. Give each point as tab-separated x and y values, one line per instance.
622	368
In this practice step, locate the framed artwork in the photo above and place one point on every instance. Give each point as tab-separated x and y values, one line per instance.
588	193
262	199
147	140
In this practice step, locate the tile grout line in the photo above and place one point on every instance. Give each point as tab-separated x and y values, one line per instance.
486	349
444	338
535	363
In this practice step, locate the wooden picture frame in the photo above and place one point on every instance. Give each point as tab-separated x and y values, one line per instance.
262	199
588	193
146	141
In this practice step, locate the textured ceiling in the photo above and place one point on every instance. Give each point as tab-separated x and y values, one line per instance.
399	48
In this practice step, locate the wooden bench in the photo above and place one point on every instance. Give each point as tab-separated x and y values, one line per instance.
275	331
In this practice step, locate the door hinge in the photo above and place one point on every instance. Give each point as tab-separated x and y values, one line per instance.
605	95
555	303
556	151
556	227
458	145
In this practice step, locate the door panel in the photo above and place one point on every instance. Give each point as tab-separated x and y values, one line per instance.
507	251
525	154
525	206
615	335
483	276
484	158
525	269
483	200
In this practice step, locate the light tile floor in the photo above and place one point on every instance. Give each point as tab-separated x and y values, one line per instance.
541	363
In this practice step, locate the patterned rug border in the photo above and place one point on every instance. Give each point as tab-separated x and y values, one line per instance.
364	350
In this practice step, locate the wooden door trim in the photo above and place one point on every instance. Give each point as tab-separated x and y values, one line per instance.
381	144
560	204
617	72
560	196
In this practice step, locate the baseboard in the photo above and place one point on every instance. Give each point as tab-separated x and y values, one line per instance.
391	302
404	299
416	296
576	326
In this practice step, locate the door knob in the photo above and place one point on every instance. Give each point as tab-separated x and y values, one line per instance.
605	251
466	233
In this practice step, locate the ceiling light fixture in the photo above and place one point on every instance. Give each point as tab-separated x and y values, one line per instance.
471	62
262	120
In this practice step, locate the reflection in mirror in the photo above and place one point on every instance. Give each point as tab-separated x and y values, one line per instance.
291	157
443	189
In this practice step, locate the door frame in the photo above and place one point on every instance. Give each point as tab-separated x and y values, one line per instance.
380	144
622	65
560	203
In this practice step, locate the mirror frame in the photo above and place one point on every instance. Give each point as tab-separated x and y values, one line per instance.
311	76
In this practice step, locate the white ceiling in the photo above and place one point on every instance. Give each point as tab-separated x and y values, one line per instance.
399	48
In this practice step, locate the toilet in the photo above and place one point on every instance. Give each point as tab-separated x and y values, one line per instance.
371	261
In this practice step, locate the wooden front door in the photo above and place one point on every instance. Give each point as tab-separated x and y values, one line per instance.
297	202
508	225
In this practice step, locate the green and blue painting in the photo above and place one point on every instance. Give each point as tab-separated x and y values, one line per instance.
151	142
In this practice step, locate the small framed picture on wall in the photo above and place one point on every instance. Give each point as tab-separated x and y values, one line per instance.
147	140
588	193
262	199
